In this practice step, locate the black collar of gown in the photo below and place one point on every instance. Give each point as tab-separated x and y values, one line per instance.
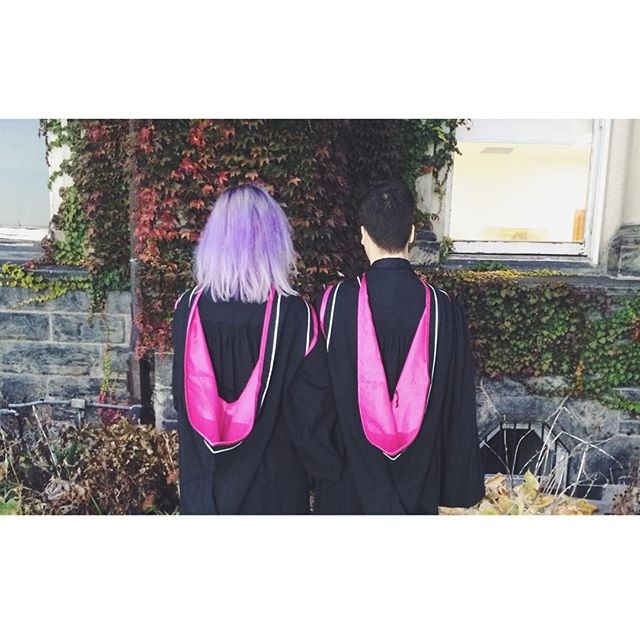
391	263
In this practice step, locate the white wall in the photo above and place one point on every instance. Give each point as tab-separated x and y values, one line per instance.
622	189
56	156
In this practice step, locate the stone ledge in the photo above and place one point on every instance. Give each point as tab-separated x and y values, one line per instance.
23	252
583	278
524	262
615	286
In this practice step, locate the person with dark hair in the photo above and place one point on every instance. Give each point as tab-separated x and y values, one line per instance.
403	378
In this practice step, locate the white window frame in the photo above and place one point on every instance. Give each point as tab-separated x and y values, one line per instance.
589	248
26	235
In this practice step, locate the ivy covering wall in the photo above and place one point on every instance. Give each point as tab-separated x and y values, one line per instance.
182	166
152	182
526	330
94	214
157	179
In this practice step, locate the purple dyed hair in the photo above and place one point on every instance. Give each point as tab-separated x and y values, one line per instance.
245	248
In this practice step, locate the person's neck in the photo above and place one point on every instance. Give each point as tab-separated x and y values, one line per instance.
404	255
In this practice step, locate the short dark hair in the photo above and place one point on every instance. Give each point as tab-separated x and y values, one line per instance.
387	214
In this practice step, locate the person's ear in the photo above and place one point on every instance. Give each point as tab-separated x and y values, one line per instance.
412	237
363	234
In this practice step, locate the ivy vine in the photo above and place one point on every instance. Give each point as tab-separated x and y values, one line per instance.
163	176
66	241
18	276
431	149
527	330
94	214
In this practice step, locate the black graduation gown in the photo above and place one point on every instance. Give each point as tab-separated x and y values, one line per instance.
291	440
442	466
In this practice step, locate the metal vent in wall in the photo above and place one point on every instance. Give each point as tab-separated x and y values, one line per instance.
513	448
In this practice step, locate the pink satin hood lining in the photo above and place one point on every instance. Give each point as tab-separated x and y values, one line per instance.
391	425
217	421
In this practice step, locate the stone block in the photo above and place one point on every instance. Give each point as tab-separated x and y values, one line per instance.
629	264
15	388
163	408
597	420
17	298
525	408
163	365
127	330
613	460
82	328
24	326
120	356
504	387
549	384
425	253
14	297
67	387
119	302
568	422
630	427
42	358
624	252
630	393
74	301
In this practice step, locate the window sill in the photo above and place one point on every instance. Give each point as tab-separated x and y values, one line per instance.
525	262
577	270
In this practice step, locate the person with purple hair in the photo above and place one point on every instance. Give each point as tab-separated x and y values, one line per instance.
251	386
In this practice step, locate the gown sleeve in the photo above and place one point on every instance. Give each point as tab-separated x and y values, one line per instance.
178	330
462	479
311	415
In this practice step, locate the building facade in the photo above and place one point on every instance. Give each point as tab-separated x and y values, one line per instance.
529	193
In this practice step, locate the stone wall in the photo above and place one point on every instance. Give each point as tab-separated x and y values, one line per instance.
613	436
162	396
55	349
